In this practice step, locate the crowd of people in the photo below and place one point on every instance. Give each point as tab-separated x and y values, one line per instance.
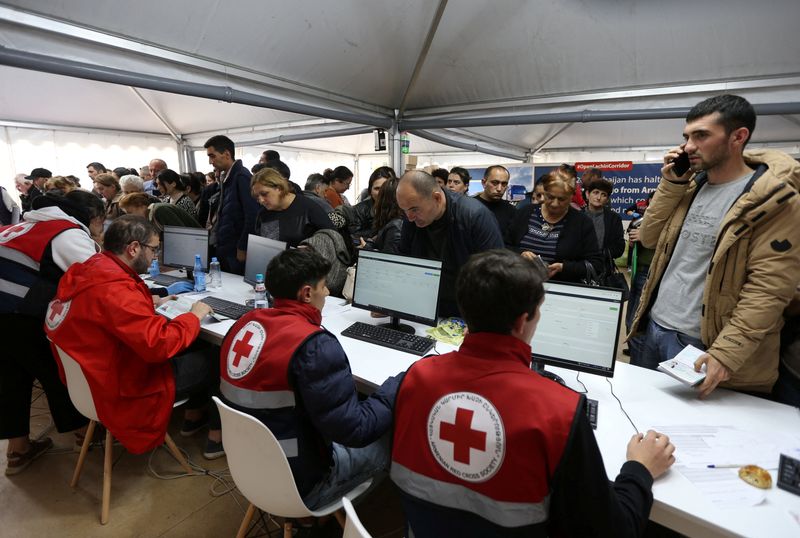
718	251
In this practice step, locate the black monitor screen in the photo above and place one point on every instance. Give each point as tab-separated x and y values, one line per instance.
260	252
180	244
400	286
578	328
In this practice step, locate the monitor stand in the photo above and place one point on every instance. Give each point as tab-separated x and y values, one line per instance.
397	326
538	367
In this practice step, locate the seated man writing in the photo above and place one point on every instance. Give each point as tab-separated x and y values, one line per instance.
103	316
483	446
281	367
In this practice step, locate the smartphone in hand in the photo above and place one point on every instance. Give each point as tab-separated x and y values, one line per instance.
681	164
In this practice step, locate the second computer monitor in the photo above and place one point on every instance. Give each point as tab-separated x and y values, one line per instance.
400	286
578	328
180	245
260	252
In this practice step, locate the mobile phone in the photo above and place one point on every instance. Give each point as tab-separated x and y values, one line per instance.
681	164
542	264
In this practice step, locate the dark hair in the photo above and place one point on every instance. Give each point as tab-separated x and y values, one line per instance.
292	269
340	173
569	169
462	173
93	205
441	173
386	208
272	155
257	168
194	181
125	230
600	185
381	171
314	180
495	287
171	177
539	180
735	112
121	171
221	144
495	167
97	166
83	206
279	166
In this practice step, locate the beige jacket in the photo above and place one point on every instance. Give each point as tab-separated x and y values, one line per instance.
754	270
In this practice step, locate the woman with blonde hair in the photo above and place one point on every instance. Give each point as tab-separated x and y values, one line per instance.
563	237
58	185
285	215
108	187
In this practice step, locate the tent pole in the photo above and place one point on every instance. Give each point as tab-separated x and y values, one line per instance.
471	147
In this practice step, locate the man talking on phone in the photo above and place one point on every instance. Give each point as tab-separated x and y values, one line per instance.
727	251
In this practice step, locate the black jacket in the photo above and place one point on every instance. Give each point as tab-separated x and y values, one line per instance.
577	242
360	218
614	240
471	228
237	211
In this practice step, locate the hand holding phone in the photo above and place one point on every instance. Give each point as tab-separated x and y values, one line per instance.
681	164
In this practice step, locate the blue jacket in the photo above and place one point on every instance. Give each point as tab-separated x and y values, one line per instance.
472	228
237	211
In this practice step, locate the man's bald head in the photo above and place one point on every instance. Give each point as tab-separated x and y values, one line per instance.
421	198
157	165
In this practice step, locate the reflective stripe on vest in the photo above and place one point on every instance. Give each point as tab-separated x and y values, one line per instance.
506	514
274	399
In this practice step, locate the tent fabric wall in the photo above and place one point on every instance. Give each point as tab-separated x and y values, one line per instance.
68	152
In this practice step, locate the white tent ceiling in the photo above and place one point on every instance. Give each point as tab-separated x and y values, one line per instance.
355	62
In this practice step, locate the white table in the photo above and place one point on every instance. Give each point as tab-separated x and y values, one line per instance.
650	398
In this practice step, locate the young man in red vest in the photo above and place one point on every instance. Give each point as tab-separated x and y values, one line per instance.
486	447
280	366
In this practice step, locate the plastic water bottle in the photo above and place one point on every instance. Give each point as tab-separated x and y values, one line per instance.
260	299
199	275
214	274
154	269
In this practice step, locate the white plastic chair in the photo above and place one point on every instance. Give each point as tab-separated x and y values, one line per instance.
261	471
353	527
81	396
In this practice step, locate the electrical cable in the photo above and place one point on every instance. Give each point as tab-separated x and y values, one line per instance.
578	379
620	406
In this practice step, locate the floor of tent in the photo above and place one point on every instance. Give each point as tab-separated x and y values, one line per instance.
39	501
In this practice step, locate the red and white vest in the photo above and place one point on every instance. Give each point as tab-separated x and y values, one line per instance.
477	430
22	246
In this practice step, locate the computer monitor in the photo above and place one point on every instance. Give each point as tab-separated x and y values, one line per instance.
399	286
260	251
180	244
578	328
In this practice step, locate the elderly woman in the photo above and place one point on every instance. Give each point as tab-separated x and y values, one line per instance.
458	180
285	215
173	189
360	216
131	183
108	187
563	237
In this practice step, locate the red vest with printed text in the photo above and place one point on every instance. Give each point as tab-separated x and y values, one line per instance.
480	424
32	238
256	352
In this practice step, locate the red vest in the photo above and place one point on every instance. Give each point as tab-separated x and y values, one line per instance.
477	430
32	238
254	361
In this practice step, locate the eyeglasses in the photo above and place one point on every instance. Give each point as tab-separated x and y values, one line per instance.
154	249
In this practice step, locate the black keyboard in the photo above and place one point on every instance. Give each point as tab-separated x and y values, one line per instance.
383	336
591	412
229	309
165	280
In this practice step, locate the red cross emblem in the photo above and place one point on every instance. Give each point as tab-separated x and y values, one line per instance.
462	435
242	348
16	230
245	348
466	436
56	313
